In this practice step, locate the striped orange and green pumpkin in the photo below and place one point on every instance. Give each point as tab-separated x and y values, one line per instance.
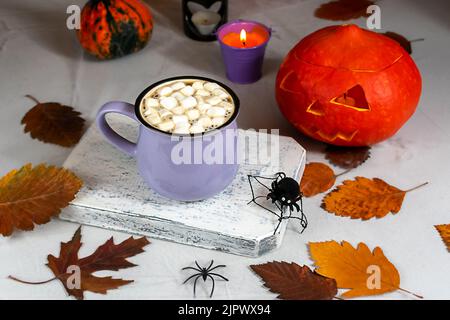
114	28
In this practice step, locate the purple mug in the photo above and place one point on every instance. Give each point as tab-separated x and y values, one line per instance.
154	149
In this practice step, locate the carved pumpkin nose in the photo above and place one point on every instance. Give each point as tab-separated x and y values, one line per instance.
353	98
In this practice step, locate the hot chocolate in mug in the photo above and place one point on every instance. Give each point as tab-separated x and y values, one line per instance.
155	148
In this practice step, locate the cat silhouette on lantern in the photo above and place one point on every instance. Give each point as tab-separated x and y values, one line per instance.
205	19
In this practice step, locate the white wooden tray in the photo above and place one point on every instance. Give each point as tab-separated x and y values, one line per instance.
115	197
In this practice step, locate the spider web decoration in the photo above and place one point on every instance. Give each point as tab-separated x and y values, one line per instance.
284	193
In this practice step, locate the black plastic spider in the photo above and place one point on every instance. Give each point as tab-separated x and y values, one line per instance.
284	193
205	273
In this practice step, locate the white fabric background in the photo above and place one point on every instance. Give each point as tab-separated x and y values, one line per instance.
39	56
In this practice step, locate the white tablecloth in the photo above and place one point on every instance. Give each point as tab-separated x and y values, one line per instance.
39	56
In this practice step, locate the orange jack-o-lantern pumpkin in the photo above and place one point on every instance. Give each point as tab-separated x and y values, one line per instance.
347	86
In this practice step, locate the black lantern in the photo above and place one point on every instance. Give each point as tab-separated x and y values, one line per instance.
201	18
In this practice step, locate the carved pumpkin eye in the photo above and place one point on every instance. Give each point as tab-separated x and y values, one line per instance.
354	98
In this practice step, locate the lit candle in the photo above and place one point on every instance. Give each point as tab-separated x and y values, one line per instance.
243	45
243	36
244	39
346	100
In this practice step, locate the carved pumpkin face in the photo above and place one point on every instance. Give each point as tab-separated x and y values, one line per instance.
347	86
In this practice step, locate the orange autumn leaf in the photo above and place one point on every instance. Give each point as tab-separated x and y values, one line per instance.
364	199
108	256
343	9
363	272
317	178
444	231
31	196
293	282
54	123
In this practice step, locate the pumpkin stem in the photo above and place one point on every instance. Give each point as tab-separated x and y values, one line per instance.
95	2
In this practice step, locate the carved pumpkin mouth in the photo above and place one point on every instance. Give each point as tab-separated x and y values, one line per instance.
329	137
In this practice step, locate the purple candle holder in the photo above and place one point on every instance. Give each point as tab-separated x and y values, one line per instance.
243	65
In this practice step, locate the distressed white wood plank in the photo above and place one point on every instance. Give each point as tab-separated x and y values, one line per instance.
115	197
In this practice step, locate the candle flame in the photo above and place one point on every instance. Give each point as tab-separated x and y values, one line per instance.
243	36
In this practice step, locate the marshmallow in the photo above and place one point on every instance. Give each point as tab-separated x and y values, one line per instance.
182	128
211	86
177	110
189	102
193	114
180	119
169	102
200	100
181	131
151	103
196	129
178	95
182	125
165	114
218	121
150	111
178	85
220	93
216	112
203	93
165	91
166	125
204	107
187	91
204	121
226	105
197	85
214	100
154	119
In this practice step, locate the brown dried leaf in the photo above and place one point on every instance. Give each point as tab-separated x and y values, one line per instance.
364	199
339	10
54	123
108	256
444	231
350	267
347	157
294	282
317	178
31	196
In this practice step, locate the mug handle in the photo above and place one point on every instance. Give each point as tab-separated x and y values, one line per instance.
124	108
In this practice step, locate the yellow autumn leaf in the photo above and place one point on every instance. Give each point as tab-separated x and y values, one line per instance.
365	198
31	196
363	272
